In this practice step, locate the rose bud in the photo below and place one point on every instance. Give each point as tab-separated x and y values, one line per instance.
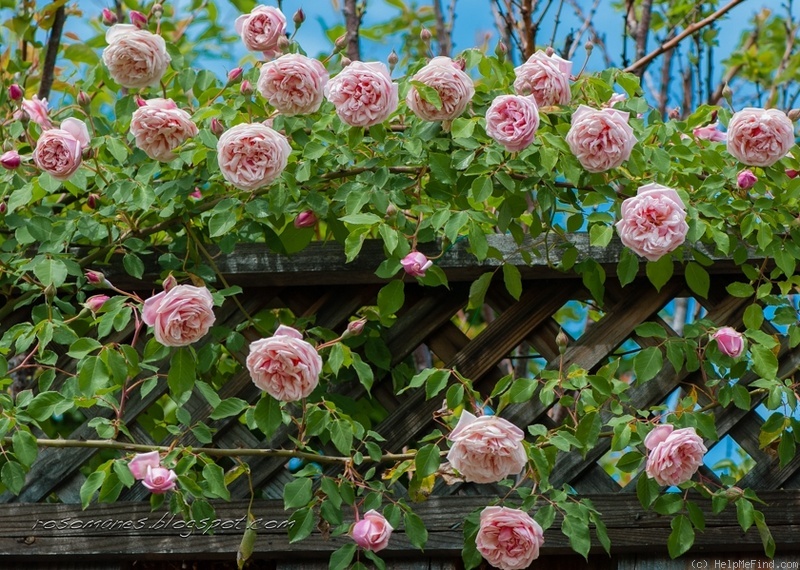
10	160
500	51
425	35
305	219
794	114
746	179
169	282
109	18
235	74
83	99
729	341
95	302
372	532
96	278
354	328
138	19
562	340
245	88
392	59
549	51
91	201
140	102
791	173
3	207
217	127
416	264
283	43
340	42
15	92
674	113
157	10
197	194
299	17
345	61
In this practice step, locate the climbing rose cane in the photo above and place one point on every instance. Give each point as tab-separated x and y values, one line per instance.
674	454
508	538
179	316
653	222
372	532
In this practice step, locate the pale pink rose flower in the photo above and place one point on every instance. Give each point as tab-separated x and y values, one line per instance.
141	461
37	111
508	538
455	89
674	454
159	480
710	133
601	139
261	29
512	121
486	449
544	77
372	532
252	155
363	94
284	365
653	223
416	264
179	316
294	84
159	127
614	99
760	137
746	179
58	151
135	58
729	341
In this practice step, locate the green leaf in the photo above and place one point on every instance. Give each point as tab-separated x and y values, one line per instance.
648	363
133	265
651	330
341	558
660	272
628	267
342	436
90	486
228	407
522	390
427	460
577	530
668	504
181	375
13	476
478	289
428	94
25	447
267	415
82	347
629	463
297	493
513	280
303	524
765	362
214	477
647	490
682	536
753	317
436	382
45	404
697	278
600	235
361	219
93	375
117	149
391	297
221	223
415	530
741	290
765	534
51	272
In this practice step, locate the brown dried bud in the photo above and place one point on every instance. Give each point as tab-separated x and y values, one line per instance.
674	113
588	46
157	10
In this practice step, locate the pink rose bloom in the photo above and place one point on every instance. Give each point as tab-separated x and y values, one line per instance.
759	137
710	133
600	139
179	316
284	365
37	111
729	341
58	151
674	455
294	84
159	127
746	179
372	532
135	58
159	480
416	264
508	538
512	121
141	462
363	94
486	449
455	89
252	155
544	77
261	29
653	222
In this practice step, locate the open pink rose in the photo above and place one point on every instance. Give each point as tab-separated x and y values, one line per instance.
252	155
294	84
508	538
416	264
729	341
135	58
141	461
486	449
36	110
760	137
159	480
512	121
674	454
710	133
546	78
58	151
159	127
363	94
261	29
601	139
179	316
455	89
372	532
284	365
653	222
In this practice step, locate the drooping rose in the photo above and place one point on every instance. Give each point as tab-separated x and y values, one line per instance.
363	94
58	151
159	127
416	264
746	179
455	89
294	84
284	365
653	222
261	29
37	110
512	121
544	77
252	155
372	532
179	316
141	461
760	137
601	139
508	538
486	449
674	454
710	133
729	341
159	480
135	58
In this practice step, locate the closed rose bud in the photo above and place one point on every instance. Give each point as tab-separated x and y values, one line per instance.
561	340
791	173
425	35
391	210
91	201
96	278
95	302
83	99
140	102
157	10
345	61
416	264
217	127
109	18
283	43
138	19
340	42
305	219
392	59
729	341
3	207
197	194
245	88
794	114
10	160
674	113
15	92
746	179
500	51
169	282
355	328
50	293
549	51
460	63
299	17
235	74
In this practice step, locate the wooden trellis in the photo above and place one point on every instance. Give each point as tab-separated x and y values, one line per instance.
317	283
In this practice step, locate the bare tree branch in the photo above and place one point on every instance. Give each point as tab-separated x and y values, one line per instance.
642	30
53	42
713	98
352	23
666	68
588	25
442	31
